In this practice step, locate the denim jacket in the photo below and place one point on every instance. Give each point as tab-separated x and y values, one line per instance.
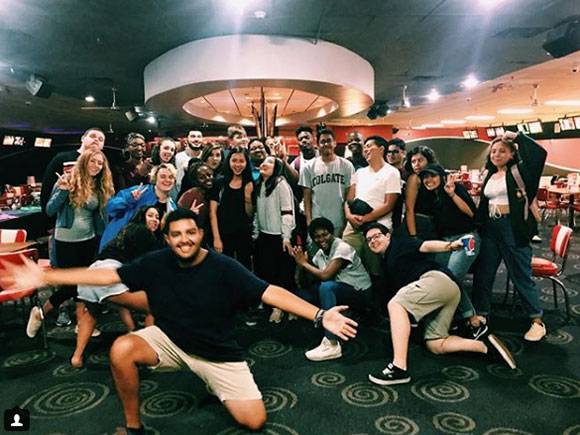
60	205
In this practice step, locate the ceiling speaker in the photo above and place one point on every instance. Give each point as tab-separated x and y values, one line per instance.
563	39
38	87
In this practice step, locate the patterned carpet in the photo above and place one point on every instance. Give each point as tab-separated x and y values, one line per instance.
451	394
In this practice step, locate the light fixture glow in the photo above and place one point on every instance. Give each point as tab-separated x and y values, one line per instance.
488	4
453	122
151	119
562	103
259	14
90	99
515	111
470	82
479	117
432	125
433	95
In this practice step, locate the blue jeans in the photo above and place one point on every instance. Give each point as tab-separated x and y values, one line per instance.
459	263
498	243
333	293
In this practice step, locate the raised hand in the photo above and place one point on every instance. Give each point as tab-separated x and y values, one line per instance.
63	181
136	194
450	184
341	326
195	207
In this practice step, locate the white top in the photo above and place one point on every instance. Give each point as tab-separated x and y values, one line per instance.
181	162
275	213
353	274
372	187
496	191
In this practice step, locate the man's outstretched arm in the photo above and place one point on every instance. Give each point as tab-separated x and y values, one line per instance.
332	320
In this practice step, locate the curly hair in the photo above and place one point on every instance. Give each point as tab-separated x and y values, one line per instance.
83	186
425	151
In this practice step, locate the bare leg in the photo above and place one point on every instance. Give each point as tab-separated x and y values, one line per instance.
400	332
126	318
248	413
149	320
454	343
80	310
126	353
86	325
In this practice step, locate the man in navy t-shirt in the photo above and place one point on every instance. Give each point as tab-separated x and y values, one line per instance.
194	295
427	291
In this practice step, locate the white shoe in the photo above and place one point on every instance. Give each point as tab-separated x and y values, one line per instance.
327	350
536	332
276	316
292	316
34	321
96	331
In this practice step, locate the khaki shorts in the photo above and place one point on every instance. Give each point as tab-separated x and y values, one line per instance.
227	380
433	297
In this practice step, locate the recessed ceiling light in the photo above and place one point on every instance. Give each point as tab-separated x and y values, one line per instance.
515	111
151	120
90	99
259	14
453	122
470	82
433	95
562	103
479	117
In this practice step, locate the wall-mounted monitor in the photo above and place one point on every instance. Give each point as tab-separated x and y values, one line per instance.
499	131
490	132
523	127
556	127
577	122
535	127
13	140
42	142
566	124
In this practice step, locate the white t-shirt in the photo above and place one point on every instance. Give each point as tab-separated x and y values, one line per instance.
329	183
181	163
353	274
372	187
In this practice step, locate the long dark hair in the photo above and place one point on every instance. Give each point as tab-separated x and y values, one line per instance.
272	181
207	152
246	173
425	151
155	159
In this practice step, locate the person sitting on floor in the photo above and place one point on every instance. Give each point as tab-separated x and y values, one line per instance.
344	280
194	295
424	290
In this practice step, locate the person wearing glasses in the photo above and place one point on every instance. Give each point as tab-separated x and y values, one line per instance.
326	181
425	290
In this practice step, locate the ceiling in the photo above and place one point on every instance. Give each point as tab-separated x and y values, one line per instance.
89	47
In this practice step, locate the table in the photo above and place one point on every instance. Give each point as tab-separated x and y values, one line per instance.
13	247
566	191
31	219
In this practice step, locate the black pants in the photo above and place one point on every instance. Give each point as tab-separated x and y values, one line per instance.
72	254
272	264
239	246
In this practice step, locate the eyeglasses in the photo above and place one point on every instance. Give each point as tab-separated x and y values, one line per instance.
326	141
373	237
393	152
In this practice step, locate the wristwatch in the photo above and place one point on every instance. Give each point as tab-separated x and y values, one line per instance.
318	318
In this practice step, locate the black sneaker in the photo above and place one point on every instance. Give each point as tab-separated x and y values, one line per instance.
390	375
477	332
498	351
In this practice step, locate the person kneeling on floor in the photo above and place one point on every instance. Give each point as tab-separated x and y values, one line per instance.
427	291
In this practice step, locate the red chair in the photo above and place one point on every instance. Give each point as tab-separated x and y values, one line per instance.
12	236
18	295
553	269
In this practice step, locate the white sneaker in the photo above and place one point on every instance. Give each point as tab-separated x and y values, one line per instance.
34	321
96	331
327	350
292	316
536	332
276	316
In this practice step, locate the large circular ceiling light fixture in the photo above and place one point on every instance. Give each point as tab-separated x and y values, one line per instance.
220	79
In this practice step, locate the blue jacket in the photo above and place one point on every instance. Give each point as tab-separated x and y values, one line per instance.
122	207
59	205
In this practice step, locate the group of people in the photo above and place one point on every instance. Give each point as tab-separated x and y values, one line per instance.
385	226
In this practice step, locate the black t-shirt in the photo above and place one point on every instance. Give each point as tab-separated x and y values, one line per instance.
196	307
403	264
231	212
449	219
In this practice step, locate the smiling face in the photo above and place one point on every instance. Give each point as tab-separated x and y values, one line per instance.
431	181
257	151
136	148
166	151
418	163
355	142
267	167
95	164
377	241
152	219
500	154
372	152
204	176
394	155
214	159
184	238
323	239
92	140
240	140
238	163
326	144
165	180
195	140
